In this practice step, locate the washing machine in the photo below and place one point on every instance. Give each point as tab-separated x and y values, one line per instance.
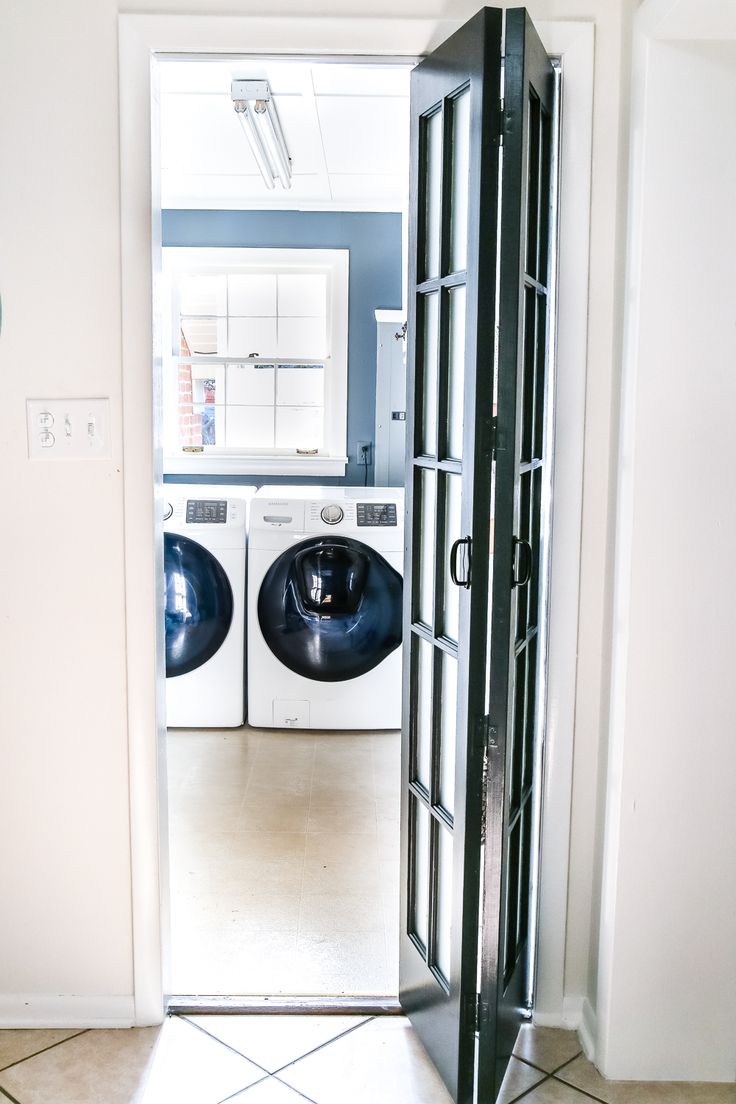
325	607
205	592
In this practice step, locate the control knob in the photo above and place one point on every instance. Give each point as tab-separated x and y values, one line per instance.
332	514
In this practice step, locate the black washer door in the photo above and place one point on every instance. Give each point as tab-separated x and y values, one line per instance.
199	604
330	608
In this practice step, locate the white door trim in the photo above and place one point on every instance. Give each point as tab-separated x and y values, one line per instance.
141	37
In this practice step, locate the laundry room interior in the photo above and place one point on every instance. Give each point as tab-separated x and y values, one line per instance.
281	423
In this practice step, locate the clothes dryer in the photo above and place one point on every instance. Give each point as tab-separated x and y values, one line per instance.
205	591
325	607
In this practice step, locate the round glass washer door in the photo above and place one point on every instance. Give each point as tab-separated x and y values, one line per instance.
329	608
199	604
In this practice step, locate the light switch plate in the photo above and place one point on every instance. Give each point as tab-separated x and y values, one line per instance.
68	429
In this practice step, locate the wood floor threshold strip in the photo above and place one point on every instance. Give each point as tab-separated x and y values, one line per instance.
284	1006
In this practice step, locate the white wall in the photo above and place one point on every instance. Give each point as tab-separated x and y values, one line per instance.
65	926
667	1003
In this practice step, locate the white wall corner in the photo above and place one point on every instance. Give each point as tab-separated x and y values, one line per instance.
588	1030
46	1010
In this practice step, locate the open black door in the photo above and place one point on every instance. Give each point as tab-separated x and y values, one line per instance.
521	462
460	378
455	112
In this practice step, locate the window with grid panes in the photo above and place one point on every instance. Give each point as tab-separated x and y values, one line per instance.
257	375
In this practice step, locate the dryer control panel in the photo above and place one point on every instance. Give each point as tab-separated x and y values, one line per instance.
376	513
206	511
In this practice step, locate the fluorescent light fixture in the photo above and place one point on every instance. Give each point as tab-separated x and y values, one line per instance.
259	119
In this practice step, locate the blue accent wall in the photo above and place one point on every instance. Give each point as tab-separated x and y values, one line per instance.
374	241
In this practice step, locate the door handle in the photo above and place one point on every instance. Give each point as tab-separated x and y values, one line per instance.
454	552
524	559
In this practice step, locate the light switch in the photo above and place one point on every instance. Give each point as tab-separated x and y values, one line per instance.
81	429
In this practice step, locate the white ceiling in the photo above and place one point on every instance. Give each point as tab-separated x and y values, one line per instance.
346	127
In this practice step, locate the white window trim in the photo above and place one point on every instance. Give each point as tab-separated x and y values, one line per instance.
216	460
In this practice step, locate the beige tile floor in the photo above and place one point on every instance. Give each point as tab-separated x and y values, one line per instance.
288	1059
284	861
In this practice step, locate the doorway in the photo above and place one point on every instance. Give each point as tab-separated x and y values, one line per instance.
284	831
139	36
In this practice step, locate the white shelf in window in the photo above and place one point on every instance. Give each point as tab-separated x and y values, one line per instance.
198	463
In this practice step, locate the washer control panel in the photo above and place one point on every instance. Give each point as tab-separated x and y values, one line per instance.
376	513
206	511
332	514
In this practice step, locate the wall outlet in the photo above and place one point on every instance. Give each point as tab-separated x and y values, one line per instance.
364	453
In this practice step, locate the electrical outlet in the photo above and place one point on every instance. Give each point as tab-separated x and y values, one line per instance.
364	451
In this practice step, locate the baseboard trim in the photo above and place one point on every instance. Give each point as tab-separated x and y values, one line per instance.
588	1030
18	1010
569	1017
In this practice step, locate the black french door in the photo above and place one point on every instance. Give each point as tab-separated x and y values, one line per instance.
520	476
462	530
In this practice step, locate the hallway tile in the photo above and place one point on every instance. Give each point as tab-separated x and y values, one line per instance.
18	1043
103	1065
552	1091
270	1091
585	1076
546	1047
519	1079
190	1067
275	1041
382	1061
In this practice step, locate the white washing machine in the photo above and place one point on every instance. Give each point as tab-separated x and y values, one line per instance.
204	566
325	607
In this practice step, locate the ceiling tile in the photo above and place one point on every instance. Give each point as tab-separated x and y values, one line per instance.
364	135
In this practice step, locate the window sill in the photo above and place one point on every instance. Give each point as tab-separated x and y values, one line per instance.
199	464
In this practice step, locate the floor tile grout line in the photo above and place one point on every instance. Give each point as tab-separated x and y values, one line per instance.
268	1072
6	1094
587	1095
245	1089
227	1046
532	1088
569	1062
297	1091
549	1073
328	1042
60	1042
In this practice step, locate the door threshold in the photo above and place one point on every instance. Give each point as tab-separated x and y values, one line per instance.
283	1006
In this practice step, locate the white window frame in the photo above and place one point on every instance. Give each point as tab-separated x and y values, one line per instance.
332	459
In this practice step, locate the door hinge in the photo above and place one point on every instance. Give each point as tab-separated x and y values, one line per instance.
501	121
478	1012
494	436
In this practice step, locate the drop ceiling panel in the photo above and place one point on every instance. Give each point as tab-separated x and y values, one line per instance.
348	144
360	80
199	134
363	134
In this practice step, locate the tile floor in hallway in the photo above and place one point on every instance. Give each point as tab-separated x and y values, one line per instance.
284	861
293	1059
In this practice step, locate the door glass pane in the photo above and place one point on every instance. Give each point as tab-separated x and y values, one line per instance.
453	502
419	919
426	532
460	181
456	374
430	305
432	193
443	923
448	722
423	722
